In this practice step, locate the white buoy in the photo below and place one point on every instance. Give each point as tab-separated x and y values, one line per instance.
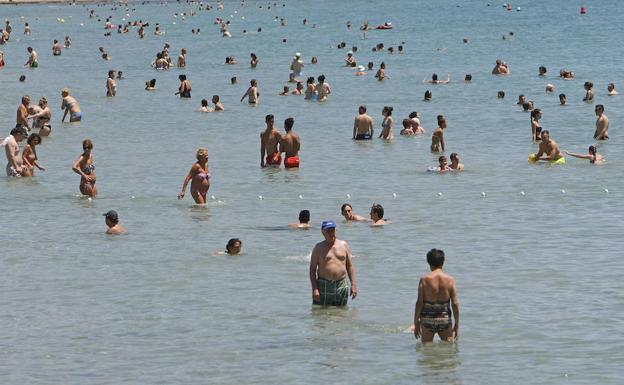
606	190
522	193
394	195
132	197
300	196
82	24
563	191
214	198
439	194
483	194
348	196
260	197
90	199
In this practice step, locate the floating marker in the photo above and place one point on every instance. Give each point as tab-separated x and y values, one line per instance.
439	194
213	197
606	190
563	191
260	197
483	194
394	195
522	193
300	196
132	197
348	196
90	199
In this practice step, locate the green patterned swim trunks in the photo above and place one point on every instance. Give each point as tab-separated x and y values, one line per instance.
333	293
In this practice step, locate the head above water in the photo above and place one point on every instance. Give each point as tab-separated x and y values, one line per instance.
304	216
288	124
234	246
435	258
377	211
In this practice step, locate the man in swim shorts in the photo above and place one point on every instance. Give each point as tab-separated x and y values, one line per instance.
290	144
330	264
21	118
269	140
549	147
602	123
437	294
363	125
33	58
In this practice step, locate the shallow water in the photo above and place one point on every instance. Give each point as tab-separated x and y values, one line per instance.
538	274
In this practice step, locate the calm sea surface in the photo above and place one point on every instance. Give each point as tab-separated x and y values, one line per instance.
539	274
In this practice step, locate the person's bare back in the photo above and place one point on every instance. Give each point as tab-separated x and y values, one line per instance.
290	144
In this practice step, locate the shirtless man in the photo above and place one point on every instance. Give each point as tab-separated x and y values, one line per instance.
363	125
22	112
290	144
350	59
32	58
297	65
112	222
269	140
500	68
602	124
56	48
14	160
322	89
548	147
330	263
304	220
437	294
347	212
455	164
376	215
252	92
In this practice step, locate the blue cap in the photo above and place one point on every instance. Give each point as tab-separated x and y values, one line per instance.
328	225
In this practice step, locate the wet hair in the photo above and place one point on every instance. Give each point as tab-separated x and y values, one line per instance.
55	41
182	77
201	152
562	96
32	138
382	65
227	60
599	107
468	77
501	94
152	83
526	106
542	69
111	72
441	119
435	258
592	149
400	48
204	103
378	209
304	216
546	132
233	80
344	206
288	124
253	56
215	98
22	78
453	156
362	109
310	80
589	85
388	110
231	243
321	78
407	123
253	82
413	115
370	65
87	143
434	77
269	117
354	49
535	112
428	95
441	158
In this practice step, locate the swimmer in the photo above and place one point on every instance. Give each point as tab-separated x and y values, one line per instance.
527	106
71	106
589	92
252	93
233	247
182	58
298	89
41	118
363	125
428	96
204	106
437	294
104	53
593	156
27	30
310	92
120	75
21	118
501	68
387	123
14	167
33	58
68	42
199	176
269	142
218	106
233	80
290	144
550	88
231	60
602	123
407	128
443	165
434	80
416	127
314	60
501	95
455	162
536	128
347	212
304	219
467	78
566	74
150	85
542	71
254	60
376	215
350	59
361	71
548	149
611	89
381	72
160	63
292	78
111	218
322	89
111	85
185	87
56	48
563	100
85	167
521	100
330	264
437	138
285	92
297	64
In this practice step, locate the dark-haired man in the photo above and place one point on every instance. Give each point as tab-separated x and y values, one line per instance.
436	296
269	140
549	148
304	220
376	215
347	212
602	124
290	144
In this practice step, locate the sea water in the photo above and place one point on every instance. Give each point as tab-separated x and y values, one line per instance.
538	271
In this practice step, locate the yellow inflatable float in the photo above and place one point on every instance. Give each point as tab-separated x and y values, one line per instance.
532	160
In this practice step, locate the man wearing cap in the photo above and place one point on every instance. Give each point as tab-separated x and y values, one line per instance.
14	160
112	221
361	71
297	65
330	264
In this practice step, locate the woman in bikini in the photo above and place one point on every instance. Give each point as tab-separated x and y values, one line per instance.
437	138
185	87
71	106
593	156
536	128
111	85
29	156
252	92
386	124
86	169
199	176
41	119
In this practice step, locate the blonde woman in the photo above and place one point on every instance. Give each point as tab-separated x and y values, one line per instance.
199	176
